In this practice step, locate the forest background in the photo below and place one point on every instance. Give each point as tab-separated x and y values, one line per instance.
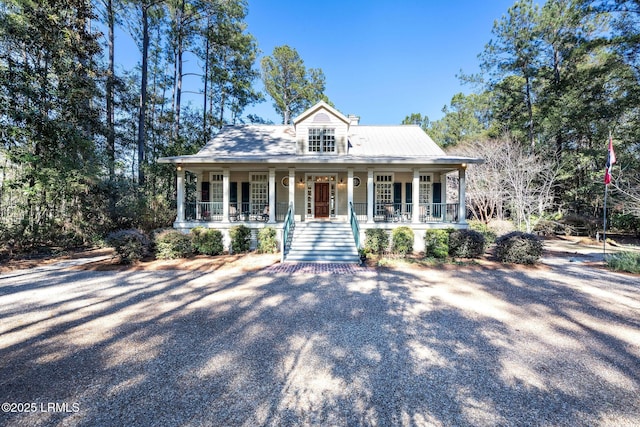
79	141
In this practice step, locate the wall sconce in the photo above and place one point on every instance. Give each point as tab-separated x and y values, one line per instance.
341	182
301	182
179	168
464	165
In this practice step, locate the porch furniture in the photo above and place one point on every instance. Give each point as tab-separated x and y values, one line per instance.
233	213
264	216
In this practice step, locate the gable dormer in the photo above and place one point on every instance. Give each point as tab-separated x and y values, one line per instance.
321	130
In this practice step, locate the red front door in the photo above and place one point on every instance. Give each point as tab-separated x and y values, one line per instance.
322	200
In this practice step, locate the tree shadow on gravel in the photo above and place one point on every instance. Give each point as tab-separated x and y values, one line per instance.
378	347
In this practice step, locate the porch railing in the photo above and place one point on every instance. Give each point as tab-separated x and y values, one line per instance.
403	212
392	212
438	212
289	225
360	210
203	211
355	227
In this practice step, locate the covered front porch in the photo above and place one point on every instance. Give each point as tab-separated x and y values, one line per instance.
253	195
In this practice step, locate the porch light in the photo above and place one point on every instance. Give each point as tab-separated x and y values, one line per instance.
179	167
464	165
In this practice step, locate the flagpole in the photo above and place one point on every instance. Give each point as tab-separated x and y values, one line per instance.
611	159
604	225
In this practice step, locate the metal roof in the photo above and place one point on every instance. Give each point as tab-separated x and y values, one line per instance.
401	141
251	140
401	144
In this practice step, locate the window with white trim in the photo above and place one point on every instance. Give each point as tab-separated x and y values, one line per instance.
216	192
322	140
259	194
426	187
384	189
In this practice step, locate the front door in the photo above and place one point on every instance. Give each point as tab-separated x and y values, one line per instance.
322	200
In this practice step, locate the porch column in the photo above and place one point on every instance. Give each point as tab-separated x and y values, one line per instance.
199	180
225	195
292	190
272	195
349	190
415	197
370	196
180	194
443	195
462	207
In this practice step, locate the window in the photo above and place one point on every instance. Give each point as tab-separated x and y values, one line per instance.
425	189
322	140
384	189
259	192
216	187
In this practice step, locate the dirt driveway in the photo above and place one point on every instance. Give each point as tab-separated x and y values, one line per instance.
557	344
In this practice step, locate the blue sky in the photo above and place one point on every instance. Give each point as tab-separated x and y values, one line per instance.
382	60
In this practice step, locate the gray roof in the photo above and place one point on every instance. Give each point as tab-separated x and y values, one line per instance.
277	143
251	140
400	141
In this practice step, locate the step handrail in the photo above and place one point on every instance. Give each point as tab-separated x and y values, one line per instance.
289	225
355	227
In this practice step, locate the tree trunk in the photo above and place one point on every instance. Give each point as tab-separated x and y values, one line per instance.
143	95
111	150
205	131
532	141
180	41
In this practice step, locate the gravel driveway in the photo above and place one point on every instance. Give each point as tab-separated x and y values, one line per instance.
558	344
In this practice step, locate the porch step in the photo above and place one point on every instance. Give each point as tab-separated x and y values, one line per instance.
322	242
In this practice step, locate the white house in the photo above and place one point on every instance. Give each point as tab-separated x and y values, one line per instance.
323	167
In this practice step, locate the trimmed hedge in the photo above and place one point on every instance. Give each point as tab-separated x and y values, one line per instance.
402	241
131	245
519	248
466	244
376	240
267	242
207	241
172	244
240	238
436	243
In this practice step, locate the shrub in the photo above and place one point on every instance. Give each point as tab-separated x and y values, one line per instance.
484	229
624	261
171	244
131	245
207	241
466	244
436	243
376	240
402	241
267	242
240	238
625	222
519	248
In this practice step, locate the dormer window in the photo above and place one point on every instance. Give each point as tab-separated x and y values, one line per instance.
322	140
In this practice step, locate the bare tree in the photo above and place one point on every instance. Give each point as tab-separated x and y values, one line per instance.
627	183
511	177
485	189
529	180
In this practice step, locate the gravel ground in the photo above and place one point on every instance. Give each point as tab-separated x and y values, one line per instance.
554	345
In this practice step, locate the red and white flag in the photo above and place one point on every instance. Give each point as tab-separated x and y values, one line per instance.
611	159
